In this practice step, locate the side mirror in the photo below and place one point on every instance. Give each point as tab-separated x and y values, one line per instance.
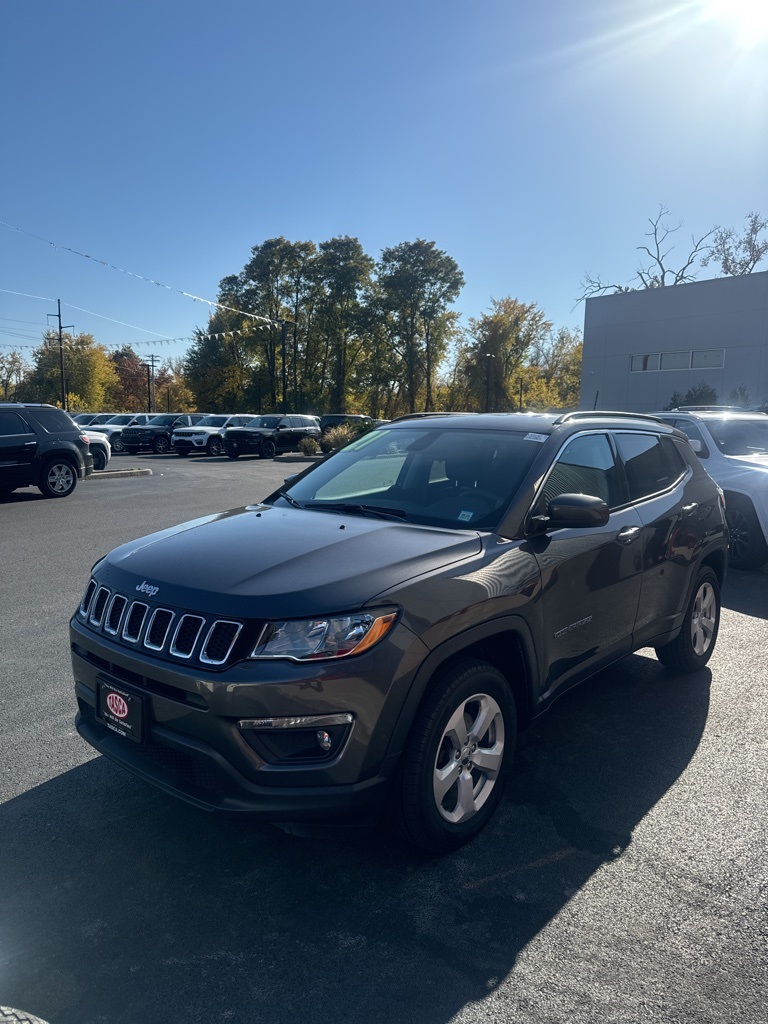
577	511
696	445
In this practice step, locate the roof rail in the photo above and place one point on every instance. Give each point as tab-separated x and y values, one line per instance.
586	414
709	408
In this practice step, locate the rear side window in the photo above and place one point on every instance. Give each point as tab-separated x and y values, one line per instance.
11	423
52	420
650	468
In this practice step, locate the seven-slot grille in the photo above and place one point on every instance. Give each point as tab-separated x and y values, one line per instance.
177	634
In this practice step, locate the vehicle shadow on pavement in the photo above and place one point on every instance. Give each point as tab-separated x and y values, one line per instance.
120	904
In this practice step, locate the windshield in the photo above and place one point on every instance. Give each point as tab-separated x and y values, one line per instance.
436	477
264	421
740	436
213	421
164	420
126	418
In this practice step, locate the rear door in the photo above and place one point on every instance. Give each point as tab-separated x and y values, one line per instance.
18	446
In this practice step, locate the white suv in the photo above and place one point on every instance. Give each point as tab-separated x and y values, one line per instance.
733	447
207	436
113	427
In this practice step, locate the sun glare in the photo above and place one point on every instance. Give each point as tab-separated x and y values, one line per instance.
745	20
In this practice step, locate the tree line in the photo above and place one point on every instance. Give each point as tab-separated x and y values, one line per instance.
324	327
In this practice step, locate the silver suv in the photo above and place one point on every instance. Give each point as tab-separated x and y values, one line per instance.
733	446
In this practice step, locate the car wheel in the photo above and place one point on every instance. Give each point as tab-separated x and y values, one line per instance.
99	458
117	443
453	771
694	646
58	479
214	446
748	547
161	445
267	450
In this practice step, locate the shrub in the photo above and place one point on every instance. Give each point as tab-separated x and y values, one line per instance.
337	437
309	446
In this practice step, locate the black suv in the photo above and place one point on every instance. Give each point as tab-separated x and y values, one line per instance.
270	435
373	634
156	435
41	446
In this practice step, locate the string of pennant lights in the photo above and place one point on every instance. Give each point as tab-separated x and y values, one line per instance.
258	320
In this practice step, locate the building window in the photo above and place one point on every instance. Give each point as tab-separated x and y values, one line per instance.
675	360
708	359
649	361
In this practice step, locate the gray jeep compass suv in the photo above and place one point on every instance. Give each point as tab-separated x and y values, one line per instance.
373	634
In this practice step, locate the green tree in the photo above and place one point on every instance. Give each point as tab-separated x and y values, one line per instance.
417	283
89	374
739	254
13	369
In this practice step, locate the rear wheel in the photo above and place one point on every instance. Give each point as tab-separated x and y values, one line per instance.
161	445
58	479
453	771
99	458
694	646
267	450
748	547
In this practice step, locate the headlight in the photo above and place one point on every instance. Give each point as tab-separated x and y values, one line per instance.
327	637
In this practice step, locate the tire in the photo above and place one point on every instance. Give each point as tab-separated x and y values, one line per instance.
99	459
453	771
11	1016
267	450
694	646
160	445
748	547
117	443
58	479
214	446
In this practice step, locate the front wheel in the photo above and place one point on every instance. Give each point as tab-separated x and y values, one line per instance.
214	446
454	768
161	445
748	547
267	450
694	646
117	443
58	479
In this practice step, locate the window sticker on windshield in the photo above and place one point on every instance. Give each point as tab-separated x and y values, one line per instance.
465	517
541	438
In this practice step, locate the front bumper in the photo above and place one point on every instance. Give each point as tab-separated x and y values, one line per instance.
193	747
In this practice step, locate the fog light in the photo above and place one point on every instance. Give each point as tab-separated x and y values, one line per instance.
324	739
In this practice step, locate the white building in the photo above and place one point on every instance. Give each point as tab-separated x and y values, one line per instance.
640	347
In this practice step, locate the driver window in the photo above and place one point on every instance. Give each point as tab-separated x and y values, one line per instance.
585	466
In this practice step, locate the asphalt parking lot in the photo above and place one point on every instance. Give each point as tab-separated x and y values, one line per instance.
625	877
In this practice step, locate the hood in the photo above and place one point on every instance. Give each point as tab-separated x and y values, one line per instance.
266	562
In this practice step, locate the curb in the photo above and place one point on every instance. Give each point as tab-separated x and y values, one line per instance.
102	474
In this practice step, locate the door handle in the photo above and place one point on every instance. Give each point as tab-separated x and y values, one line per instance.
688	510
628	534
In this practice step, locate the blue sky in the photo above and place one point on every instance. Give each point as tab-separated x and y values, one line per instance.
531	142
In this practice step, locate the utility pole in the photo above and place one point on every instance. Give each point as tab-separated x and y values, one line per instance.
151	382
66	327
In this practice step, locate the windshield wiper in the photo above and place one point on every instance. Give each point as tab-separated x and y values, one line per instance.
355	509
290	500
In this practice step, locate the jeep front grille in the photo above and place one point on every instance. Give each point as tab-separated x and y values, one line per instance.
165	631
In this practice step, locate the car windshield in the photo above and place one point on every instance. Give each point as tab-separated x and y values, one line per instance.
164	420
463	479
213	421
740	436
270	422
122	419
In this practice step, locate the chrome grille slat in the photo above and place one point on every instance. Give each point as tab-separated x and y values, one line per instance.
114	614
157	630
186	635
134	622
219	642
98	606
